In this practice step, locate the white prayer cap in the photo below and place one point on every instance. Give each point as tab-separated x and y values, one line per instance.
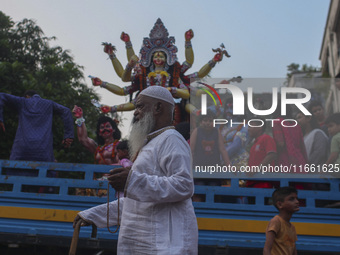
159	93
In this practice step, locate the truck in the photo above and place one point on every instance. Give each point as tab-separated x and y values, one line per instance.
38	210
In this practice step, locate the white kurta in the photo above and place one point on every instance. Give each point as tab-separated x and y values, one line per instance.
157	215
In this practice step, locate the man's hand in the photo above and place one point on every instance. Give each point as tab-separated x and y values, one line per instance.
2	126
67	142
118	177
83	222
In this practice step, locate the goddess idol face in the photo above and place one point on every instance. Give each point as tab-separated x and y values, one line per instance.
159	59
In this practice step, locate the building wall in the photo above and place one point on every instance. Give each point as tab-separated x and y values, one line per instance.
330	55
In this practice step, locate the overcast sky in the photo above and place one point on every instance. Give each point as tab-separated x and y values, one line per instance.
262	36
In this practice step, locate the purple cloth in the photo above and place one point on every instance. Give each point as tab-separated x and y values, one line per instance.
125	162
34	137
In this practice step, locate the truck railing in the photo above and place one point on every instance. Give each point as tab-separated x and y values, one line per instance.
35	208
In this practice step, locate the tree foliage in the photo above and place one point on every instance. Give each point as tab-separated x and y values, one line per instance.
321	87
27	61
294	68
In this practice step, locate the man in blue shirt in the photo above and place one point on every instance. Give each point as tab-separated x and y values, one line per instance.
34	137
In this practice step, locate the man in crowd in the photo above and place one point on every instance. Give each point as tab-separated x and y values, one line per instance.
157	215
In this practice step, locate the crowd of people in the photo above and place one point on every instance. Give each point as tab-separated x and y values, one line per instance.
314	140
155	185
311	140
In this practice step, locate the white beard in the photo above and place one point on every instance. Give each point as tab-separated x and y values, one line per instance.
139	132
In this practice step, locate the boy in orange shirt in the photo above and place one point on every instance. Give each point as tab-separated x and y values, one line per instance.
280	234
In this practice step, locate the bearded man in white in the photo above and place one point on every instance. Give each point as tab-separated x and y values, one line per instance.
157	215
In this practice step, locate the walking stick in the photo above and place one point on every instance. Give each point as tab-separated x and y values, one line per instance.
75	238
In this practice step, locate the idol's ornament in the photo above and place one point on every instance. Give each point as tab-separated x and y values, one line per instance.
157	65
